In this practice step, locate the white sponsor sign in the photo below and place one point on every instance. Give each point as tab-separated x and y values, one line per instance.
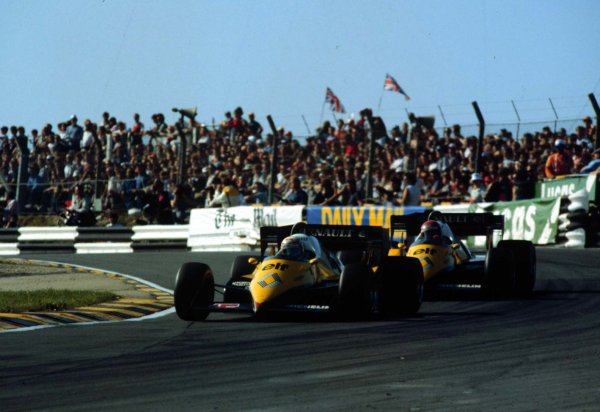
236	228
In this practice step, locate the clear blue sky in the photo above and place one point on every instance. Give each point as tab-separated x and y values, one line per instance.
277	57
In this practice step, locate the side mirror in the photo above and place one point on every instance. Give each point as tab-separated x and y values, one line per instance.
253	261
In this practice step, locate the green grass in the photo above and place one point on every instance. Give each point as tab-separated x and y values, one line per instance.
50	300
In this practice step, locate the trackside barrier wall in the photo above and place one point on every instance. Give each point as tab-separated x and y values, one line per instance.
104	240
237	228
160	237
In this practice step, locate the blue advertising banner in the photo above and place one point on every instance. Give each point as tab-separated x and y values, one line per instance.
357	215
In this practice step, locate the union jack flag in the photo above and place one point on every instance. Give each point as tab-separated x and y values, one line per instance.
334	102
391	85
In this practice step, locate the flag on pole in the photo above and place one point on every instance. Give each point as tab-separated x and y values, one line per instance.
391	85
334	102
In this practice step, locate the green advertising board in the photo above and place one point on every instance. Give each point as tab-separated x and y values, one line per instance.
535	220
551	189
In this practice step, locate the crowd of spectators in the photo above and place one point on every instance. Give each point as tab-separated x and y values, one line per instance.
134	167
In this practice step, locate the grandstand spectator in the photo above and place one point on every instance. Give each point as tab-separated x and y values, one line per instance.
524	184
477	191
411	194
182	203
559	163
73	134
225	193
254	127
295	195
137	130
157	208
81	208
10	216
259	194
500	189
594	165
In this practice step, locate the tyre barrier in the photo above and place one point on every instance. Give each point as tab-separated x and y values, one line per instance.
92	239
576	220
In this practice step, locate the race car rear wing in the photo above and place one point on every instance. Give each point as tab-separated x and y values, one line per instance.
461	224
332	237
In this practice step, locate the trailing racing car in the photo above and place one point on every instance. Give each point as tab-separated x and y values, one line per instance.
507	270
343	270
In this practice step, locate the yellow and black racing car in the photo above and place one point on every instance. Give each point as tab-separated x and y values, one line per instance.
507	270
342	270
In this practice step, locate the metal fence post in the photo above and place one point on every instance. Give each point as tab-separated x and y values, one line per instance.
597	111
481	133
273	159
23	174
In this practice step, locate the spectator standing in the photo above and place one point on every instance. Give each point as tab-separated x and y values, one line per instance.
254	127
559	163
74	134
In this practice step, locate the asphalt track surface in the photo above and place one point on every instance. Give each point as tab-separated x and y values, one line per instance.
542	353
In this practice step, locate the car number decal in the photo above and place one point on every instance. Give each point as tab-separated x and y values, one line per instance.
270	281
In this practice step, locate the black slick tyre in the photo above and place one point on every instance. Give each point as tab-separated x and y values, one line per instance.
401	291
499	274
525	264
353	292
194	291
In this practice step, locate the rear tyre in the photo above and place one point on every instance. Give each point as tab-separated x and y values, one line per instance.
239	268
350	256
401	286
525	264
499	274
194	291
354	292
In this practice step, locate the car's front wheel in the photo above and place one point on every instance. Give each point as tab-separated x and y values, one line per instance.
194	291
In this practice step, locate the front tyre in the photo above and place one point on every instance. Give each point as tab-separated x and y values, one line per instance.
194	291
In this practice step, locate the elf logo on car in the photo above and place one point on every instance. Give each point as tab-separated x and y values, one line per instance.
427	251
277	266
270	281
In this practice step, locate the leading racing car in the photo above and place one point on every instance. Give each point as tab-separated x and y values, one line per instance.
344	270
507	270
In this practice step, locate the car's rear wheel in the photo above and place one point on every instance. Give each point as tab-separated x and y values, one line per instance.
194	291
401	290
499	274
525	264
354	291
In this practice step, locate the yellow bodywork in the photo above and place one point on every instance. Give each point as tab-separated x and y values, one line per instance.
433	258
274	277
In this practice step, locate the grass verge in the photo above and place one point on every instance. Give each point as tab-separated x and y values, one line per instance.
50	300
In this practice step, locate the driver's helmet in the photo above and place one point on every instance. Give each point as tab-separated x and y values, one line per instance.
431	231
292	247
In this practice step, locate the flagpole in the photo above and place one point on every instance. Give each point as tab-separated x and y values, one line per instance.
334	118
379	105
